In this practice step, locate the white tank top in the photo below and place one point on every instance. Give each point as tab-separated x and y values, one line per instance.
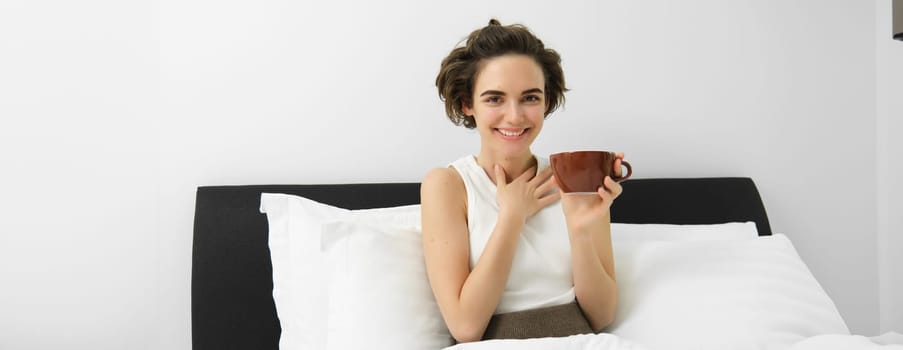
541	270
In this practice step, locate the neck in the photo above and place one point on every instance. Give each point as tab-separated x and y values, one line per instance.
514	165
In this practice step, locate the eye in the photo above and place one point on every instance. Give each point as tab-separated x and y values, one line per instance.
494	99
532	98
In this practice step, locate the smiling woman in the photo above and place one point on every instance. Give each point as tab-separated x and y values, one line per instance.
507	255
508	121
462	65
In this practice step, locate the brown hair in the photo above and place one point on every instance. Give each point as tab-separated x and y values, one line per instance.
459	69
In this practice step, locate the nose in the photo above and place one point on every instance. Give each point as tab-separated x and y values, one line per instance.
514	113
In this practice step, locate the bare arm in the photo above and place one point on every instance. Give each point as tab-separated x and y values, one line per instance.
467	298
589	230
594	277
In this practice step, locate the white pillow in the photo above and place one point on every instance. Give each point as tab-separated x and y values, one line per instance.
299	269
626	233
379	294
735	294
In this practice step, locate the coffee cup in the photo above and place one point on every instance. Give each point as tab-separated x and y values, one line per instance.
585	171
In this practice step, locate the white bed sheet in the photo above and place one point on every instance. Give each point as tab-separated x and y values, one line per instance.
887	341
604	341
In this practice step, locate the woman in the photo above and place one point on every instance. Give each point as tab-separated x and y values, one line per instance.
506	254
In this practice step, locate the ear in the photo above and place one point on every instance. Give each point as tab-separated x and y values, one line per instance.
467	108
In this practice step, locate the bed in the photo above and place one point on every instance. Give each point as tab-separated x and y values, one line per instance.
232	283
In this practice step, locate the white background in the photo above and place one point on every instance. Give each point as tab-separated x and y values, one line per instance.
114	112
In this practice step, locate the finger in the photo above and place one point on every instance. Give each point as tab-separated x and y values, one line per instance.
612	187
500	179
615	188
547	186
605	195
618	170
619	155
542	177
548	200
548	182
554	181
527	175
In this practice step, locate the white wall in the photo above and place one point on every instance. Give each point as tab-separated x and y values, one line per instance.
80	236
114	113
889	73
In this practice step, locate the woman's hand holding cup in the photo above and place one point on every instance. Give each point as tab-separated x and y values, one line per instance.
589	184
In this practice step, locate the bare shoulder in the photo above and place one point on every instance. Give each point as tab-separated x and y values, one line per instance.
443	199
443	207
442	183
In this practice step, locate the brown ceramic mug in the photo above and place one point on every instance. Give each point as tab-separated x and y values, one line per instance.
584	171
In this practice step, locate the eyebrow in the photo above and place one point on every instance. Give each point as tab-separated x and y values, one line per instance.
496	92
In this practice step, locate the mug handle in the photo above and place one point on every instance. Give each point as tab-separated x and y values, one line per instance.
629	172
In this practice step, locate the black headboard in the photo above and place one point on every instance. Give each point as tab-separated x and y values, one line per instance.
231	283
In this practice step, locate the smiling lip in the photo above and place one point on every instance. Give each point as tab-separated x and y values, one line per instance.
512	134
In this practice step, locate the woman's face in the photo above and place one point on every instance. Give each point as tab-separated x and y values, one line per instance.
509	104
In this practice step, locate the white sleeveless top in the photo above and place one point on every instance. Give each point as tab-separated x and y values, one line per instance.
541	270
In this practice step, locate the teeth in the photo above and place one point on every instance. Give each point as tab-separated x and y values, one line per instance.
511	134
